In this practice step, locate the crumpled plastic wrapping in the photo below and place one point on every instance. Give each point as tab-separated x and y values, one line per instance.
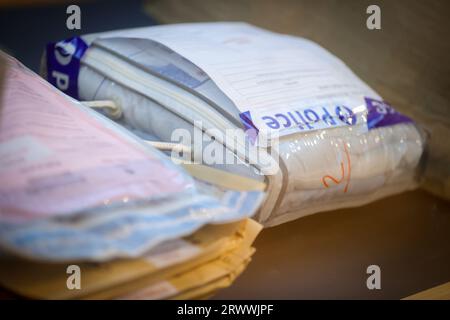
359	168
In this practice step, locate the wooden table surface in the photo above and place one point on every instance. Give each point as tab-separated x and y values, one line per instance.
325	256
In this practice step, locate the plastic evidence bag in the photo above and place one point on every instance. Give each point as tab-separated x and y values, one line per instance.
338	143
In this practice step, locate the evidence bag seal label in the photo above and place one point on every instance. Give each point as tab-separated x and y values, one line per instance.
382	114
63	64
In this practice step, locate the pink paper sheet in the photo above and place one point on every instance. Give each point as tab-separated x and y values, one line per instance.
57	159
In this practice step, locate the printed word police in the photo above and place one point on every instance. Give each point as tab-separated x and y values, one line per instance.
305	119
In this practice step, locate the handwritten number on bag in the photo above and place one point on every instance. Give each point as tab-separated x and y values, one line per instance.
345	172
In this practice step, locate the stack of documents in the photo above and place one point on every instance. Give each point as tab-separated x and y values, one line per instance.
89	210
186	268
287	111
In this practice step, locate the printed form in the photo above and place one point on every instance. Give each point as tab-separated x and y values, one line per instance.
283	82
55	158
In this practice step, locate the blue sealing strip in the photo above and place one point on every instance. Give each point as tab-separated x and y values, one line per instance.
63	64
381	114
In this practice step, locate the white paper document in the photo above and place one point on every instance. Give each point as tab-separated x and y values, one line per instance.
282	83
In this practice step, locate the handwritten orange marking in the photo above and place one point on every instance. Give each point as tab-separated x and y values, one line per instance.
343	171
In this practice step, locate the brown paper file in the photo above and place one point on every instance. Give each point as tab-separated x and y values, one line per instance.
48	281
210	288
204	279
224	261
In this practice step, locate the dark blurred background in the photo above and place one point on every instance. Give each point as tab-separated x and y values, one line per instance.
27	26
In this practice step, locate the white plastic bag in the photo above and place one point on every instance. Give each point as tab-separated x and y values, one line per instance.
340	144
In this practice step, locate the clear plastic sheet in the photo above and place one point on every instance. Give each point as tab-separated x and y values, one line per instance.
340	168
77	186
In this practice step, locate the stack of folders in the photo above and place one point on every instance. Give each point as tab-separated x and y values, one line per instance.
90	211
191	267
